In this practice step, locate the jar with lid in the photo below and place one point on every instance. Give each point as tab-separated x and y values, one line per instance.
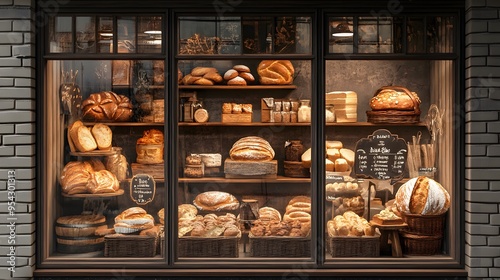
293	150
117	164
330	114
304	113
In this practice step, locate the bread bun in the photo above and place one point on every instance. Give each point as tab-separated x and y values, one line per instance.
102	135
216	201
241	68
422	195
231	73
203	82
247	76
237	81
275	72
333	144
332	154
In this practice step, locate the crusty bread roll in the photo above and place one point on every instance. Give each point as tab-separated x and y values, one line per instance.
215	77
333	144
216	201
82	138
75	176
275	72
341	165
237	81
332	154
203	82
201	71
103	182
231	73
247	76
422	195
269	214
348	155
187	211
190	79
241	68
251	148
133	219
306	158
102	135
394	99
161	216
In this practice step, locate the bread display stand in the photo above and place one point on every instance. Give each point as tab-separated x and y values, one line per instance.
218	247
250	169
390	232
353	246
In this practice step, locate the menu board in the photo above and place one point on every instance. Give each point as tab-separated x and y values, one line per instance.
381	156
142	189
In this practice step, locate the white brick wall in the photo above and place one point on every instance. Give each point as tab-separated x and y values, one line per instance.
482	163
17	137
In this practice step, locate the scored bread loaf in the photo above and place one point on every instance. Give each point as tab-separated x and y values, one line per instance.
75	176
422	195
216	201
275	72
102	135
107	106
103	182
396	98
251	148
133	219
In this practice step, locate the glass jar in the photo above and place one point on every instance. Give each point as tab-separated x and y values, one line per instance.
304	113
330	114
293	150
117	164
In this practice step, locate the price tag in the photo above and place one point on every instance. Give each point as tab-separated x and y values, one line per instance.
142	189
381	156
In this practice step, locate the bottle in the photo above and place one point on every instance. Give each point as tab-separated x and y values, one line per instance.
304	114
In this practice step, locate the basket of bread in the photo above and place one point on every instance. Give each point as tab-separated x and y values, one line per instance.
214	234
350	235
134	234
422	203
274	236
394	104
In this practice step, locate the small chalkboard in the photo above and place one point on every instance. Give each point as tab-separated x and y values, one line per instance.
142	189
381	156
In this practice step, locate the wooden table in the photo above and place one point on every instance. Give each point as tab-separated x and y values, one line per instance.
390	233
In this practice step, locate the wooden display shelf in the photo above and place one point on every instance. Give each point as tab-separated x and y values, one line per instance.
279	179
353	124
239	87
95	195
126	123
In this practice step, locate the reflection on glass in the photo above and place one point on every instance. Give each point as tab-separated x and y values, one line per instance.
61	35
126	35
415	35
339	34
257	35
85	35
440	34
105	32
375	35
150	34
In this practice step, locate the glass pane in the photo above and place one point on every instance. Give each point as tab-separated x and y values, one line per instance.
198	35
285	39
257	35
61	35
126	35
210	123
440	34
106	31
150	34
375	35
415	34
85	35
398	34
97	186
340	34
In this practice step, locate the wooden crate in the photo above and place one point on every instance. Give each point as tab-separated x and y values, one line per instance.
154	170
237	118
250	169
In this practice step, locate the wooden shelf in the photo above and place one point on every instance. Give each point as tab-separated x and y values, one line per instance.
126	123
96	195
278	180
353	124
238	87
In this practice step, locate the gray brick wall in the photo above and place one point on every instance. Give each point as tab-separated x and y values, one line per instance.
17	139
482	156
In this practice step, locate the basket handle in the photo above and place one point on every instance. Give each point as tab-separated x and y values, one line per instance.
403	89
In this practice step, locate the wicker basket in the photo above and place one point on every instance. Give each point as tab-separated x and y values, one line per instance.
425	224
353	246
424	245
129	246
280	246
395	116
200	247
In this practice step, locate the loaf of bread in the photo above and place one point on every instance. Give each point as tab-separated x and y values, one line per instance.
150	147
103	182
132	220
349	224
216	201
82	137
75	176
107	106
251	148
205	76
187	211
161	216
269	214
422	195
275	72
395	98
102	135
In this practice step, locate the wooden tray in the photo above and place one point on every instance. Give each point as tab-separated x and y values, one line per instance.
89	195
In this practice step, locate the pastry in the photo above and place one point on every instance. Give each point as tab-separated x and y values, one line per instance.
102	135
422	195
107	106
389	98
216	201
103	182
275	72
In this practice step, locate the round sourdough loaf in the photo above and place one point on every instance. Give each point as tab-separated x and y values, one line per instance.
216	201
422	195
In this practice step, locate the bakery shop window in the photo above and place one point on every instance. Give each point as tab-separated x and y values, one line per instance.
391	34
245	35
106	34
105	142
244	185
389	181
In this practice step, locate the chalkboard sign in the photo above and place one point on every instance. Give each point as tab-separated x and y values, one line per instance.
381	156
142	189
